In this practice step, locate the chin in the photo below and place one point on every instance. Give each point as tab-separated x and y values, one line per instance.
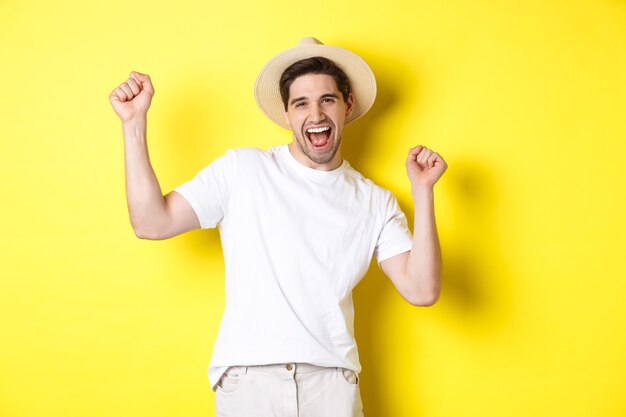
322	157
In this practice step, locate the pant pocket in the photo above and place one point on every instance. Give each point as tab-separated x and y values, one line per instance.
231	379
349	376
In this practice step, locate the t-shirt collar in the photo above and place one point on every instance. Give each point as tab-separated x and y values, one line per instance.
312	173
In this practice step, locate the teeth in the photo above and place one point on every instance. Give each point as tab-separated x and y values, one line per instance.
318	129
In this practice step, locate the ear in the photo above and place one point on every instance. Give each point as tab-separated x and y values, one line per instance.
349	105
286	118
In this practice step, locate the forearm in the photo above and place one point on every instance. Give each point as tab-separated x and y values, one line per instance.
146	205
424	261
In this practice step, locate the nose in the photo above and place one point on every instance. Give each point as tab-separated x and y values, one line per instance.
316	115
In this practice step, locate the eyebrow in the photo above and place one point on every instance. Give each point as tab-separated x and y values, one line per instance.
295	100
327	95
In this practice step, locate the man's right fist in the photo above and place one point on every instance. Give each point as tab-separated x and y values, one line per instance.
133	97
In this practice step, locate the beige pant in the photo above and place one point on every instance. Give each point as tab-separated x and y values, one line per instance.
288	390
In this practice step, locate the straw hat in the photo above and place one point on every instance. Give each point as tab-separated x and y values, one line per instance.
267	91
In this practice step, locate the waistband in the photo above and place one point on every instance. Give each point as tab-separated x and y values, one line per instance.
282	368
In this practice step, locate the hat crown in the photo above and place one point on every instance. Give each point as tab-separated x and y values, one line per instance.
309	40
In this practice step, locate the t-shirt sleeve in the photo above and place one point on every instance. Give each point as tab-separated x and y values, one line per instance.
395	236
210	190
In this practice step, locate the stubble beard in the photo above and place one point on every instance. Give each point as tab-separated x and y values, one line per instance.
303	143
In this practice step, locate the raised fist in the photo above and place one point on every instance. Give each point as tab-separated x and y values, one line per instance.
424	167
133	97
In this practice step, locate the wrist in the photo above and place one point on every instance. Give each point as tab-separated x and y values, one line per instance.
135	127
421	189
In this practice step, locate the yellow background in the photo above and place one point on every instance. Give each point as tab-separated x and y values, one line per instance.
524	99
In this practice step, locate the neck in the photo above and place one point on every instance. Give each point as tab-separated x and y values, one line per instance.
307	162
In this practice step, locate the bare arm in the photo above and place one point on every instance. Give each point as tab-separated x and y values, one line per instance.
152	215
417	274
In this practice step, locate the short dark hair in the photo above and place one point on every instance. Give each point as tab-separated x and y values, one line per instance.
314	65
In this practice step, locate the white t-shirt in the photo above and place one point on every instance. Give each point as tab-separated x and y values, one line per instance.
296	241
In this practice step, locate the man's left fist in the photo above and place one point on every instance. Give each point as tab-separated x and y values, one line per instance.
424	167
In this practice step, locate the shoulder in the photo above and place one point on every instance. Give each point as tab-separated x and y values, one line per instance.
244	157
245	153
252	154
381	199
252	161
367	185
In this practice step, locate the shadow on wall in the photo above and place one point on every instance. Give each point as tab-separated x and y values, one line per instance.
186	148
477	283
358	136
473	299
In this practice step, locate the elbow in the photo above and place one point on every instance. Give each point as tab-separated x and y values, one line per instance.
147	234
146	229
143	235
425	299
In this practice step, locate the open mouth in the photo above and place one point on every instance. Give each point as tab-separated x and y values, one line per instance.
319	136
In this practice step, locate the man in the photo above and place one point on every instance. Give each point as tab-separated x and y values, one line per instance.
299	227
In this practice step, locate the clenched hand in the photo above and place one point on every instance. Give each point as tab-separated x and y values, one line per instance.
131	100
424	167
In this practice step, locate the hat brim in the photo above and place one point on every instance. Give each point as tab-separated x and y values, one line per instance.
267	91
